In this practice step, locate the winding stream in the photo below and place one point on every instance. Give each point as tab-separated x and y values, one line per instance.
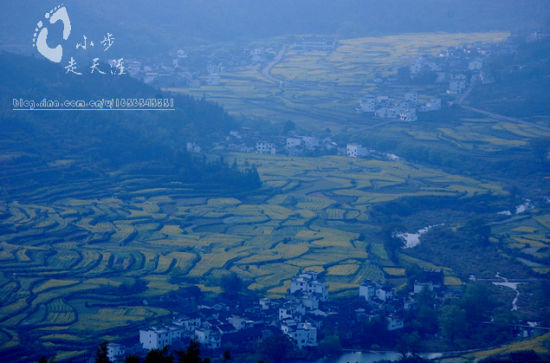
510	285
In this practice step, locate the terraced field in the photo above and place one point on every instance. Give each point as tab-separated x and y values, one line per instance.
65	261
70	264
527	235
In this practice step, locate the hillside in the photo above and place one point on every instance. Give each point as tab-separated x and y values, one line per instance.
46	148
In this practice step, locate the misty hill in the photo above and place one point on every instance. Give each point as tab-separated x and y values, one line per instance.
144	26
48	147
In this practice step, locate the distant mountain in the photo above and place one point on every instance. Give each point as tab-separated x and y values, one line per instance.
145	26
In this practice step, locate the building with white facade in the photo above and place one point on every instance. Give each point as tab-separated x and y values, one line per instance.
265	303
394	323
265	148
115	352
475	65
457	84
188	324
307	282
408	115
355	151
293	142
208	338
433	104
239	323
159	337
367	104
304	334
310	142
368	290
384	293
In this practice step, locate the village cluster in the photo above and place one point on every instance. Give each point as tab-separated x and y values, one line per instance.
184	69
250	141
459	68
452	73
300	315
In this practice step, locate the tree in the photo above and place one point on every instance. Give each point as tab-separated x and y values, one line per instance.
132	359
477	303
159	356
392	243
231	284
276	348
409	343
192	354
452	322
373	332
477	232
426	317
330	345
288	126
540	148
101	354
227	356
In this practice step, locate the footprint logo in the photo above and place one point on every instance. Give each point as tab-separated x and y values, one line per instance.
39	40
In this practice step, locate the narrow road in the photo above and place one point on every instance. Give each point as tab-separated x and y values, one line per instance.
467	93
507	118
460	102
267	69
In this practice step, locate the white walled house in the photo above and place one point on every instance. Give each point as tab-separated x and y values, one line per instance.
384	293
394	323
209	338
192	147
293	142
310	302
291	311
303	334
239	323
285	313
265	303
265	148
457	84
188	324
408	115
158	338
433	104
320	289
115	352
307	282
421	285
310	142
355	151
367	290
475	65
367	104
